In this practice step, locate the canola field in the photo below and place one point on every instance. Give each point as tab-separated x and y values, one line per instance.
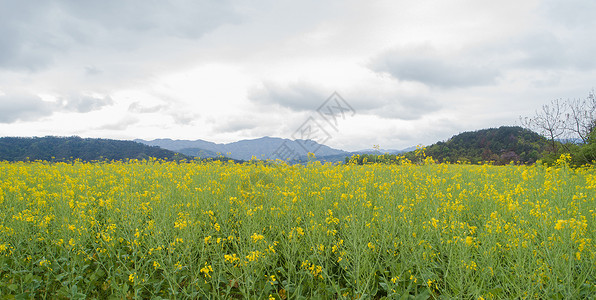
191	230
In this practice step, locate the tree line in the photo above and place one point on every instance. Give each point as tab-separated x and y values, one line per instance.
51	148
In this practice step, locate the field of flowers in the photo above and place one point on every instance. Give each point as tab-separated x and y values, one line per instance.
154	229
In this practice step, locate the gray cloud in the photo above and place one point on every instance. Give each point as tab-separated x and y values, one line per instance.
235	124
23	107
92	70
484	58
83	104
15	106
426	66
392	103
407	108
185	19
34	33
183	118
547	51
387	102
24	36
298	96
564	45
571	13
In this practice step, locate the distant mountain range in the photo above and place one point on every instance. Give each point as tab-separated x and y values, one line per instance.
501	145
260	148
51	148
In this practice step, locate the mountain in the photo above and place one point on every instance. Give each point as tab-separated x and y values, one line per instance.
261	148
500	145
51	148
176	145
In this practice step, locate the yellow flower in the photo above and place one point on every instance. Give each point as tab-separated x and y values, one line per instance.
132	277
257	237
44	262
231	258
560	224
253	255
207	269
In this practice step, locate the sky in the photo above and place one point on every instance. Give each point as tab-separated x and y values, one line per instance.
351	74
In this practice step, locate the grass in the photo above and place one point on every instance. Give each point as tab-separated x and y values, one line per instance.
154	229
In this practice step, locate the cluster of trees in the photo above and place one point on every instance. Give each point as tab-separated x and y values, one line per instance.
70	148
499	146
569	125
560	127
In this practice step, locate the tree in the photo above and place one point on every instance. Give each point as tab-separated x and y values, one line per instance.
581	117
570	123
549	121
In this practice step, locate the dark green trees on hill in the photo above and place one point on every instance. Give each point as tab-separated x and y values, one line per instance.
70	148
499	145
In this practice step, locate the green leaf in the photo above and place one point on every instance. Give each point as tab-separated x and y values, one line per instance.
423	296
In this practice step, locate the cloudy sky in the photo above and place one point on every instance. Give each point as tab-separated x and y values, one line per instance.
411	72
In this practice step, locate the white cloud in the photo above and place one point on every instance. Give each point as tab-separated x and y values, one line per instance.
414	72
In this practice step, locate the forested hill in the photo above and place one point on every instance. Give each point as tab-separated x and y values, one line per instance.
500	145
69	148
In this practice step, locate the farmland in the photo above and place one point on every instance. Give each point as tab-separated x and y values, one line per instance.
157	229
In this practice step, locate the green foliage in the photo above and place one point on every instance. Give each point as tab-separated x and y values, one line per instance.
52	148
500	146
584	154
165	230
363	159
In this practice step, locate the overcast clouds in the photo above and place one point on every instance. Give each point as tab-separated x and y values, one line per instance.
415	72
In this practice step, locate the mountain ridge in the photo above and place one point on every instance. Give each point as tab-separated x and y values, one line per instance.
503	144
262	148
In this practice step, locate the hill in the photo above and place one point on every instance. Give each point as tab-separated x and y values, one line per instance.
501	145
498	145
52	148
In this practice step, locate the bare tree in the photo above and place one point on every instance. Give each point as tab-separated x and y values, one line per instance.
581	117
567	121
549	121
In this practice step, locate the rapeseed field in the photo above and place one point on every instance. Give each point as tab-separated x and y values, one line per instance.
156	229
